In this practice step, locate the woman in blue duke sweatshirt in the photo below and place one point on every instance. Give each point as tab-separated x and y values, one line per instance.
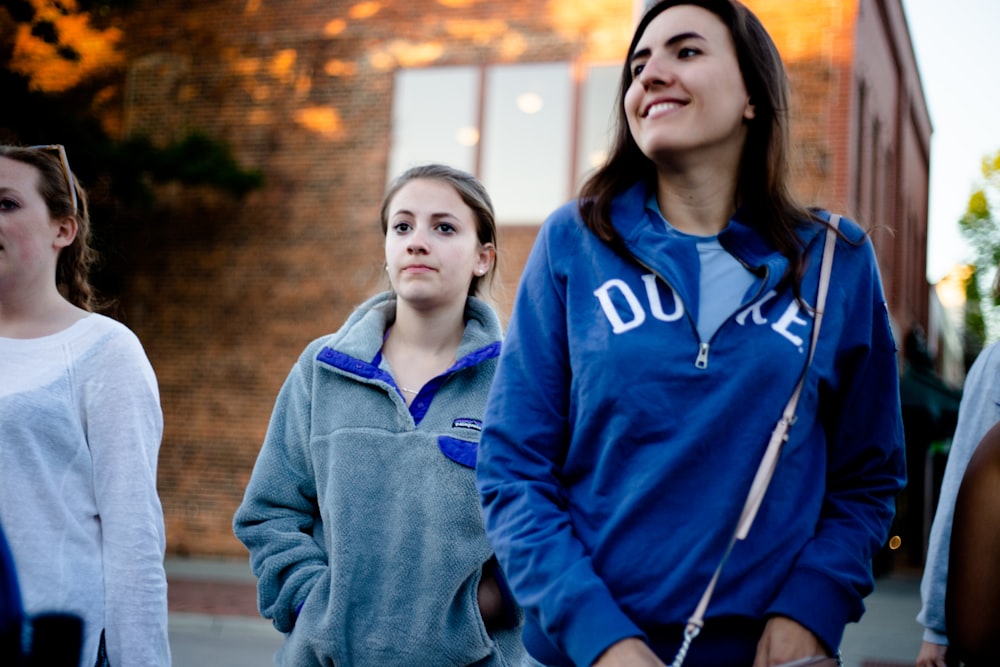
661	324
362	516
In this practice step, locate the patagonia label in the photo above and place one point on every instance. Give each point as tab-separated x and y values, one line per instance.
465	422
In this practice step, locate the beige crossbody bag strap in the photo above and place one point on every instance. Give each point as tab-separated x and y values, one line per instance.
767	464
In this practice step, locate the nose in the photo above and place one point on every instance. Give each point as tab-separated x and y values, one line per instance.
654	72
416	244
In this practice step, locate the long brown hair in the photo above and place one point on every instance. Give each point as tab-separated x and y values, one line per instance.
75	260
763	187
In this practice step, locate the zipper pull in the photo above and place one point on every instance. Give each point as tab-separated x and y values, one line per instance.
702	360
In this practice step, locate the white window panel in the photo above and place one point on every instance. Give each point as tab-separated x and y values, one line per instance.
434	118
527	134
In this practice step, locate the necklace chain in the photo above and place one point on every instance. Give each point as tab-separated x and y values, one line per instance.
408	390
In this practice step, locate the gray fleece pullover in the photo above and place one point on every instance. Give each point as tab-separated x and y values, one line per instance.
362	516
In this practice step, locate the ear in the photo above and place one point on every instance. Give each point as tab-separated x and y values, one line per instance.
750	111
66	229
484	262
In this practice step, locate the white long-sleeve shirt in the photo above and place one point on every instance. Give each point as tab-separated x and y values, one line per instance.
80	431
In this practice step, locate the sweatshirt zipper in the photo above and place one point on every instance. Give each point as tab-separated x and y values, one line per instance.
701	360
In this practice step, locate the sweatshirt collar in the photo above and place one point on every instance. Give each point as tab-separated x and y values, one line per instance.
646	238
361	336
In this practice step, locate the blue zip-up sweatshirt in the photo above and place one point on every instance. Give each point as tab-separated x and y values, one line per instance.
618	448
362	516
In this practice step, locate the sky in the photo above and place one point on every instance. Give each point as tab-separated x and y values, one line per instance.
956	45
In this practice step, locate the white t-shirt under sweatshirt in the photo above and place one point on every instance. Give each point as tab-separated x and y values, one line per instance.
80	431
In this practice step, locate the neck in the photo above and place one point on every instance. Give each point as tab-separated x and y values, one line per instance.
436	332
421	346
36	315
696	202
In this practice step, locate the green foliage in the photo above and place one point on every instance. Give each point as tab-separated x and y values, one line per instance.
980	226
120	175
975	324
195	159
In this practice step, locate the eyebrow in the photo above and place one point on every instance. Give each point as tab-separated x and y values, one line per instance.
434	216
680	37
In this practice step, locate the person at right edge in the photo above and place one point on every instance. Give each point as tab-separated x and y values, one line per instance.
660	325
977	413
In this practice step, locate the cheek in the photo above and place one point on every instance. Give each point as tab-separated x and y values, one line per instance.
391	247
463	260
630	105
631	102
391	262
23	244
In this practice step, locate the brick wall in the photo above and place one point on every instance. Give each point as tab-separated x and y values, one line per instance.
889	144
227	293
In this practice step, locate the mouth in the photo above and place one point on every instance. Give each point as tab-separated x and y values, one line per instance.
661	107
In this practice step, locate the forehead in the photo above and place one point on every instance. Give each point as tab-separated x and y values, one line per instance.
18	175
429	194
683	19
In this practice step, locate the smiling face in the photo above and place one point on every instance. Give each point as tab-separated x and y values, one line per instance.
687	95
432	248
30	240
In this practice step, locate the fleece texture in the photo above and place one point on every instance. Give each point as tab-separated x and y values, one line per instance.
362	516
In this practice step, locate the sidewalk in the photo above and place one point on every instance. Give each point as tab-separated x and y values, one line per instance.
214	619
213	615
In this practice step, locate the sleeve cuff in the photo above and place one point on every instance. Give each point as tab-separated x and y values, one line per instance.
819	604
933	637
593	624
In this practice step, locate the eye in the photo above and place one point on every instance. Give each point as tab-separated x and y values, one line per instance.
401	227
447	228
7	204
687	52
637	69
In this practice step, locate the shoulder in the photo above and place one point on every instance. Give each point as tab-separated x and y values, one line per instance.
564	230
482	313
483	331
984	373
110	341
361	334
563	221
850	232
110	365
988	361
854	253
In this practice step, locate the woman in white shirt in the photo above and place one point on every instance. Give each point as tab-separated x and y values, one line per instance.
81	426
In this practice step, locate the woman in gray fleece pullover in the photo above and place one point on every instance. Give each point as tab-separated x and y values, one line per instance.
362	516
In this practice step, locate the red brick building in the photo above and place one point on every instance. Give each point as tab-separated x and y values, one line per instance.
330	98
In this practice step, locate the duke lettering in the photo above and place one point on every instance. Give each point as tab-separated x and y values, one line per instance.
624	310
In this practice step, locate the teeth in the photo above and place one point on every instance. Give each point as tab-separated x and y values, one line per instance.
662	106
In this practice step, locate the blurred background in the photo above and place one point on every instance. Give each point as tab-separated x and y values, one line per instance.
236	153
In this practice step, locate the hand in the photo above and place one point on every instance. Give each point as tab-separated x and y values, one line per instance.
931	655
490	599
631	652
783	641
